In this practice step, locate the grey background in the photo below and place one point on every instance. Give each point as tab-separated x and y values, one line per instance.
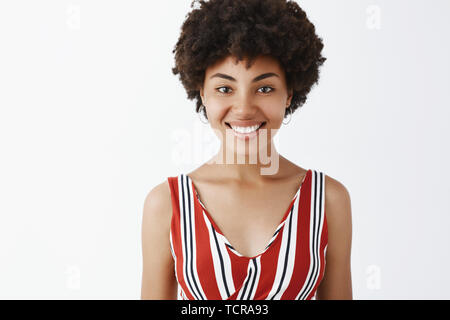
91	118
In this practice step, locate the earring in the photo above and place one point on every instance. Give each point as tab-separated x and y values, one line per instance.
290	116
202	110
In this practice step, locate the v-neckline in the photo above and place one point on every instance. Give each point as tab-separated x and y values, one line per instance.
222	235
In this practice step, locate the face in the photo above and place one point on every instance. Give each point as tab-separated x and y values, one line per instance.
238	99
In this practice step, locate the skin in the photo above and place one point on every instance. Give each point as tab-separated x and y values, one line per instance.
229	93
251	204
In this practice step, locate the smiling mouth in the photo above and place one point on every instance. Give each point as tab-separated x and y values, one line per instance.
246	131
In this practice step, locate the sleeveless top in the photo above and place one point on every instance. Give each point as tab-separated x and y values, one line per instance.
207	267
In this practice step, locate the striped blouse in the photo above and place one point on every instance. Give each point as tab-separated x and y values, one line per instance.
208	267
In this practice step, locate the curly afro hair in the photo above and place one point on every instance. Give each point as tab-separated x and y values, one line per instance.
247	29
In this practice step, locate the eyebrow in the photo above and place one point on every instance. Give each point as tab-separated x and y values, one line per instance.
258	78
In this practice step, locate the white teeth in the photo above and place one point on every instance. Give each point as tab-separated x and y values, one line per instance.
246	129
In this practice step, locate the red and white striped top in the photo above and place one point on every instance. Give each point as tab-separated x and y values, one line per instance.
207	267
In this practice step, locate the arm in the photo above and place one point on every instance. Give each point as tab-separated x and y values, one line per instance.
337	281
158	277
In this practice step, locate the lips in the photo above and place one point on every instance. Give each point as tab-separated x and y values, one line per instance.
244	123
247	129
249	125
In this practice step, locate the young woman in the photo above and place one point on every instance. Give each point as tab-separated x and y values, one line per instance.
260	227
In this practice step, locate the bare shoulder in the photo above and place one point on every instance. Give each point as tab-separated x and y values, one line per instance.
337	203
337	283
335	191
158	279
158	207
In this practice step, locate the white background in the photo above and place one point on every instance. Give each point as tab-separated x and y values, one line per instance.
92	118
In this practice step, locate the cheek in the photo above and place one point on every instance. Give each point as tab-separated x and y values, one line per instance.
274	111
272	108
216	111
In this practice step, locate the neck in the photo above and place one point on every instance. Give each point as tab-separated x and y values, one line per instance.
246	167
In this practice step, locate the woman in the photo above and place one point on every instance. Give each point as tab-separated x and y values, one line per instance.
249	223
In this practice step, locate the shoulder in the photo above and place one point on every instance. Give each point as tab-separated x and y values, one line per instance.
337	204
336	283
158	279
158	207
335	191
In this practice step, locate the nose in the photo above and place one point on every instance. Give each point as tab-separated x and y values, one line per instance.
244	107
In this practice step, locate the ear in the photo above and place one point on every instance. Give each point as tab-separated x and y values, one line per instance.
290	95
201	94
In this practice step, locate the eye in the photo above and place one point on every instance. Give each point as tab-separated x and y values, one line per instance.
218	89
227	88
271	89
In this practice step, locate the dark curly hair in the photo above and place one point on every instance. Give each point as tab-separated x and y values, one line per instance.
248	29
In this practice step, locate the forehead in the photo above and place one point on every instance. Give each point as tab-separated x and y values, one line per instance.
230	65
